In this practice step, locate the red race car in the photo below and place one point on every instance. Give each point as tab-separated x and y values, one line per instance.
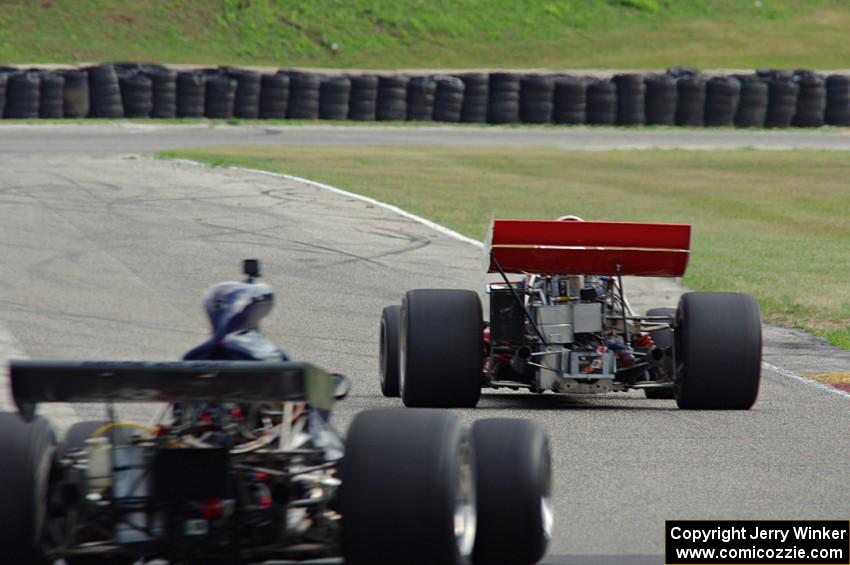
566	325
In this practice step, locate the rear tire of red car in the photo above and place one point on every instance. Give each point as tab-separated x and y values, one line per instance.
28	449
718	349
514	482
663	340
408	488
390	318
441	350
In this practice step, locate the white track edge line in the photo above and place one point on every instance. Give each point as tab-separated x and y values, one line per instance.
812	382
460	237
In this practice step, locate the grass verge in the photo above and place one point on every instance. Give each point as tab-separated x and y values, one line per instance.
386	34
775	224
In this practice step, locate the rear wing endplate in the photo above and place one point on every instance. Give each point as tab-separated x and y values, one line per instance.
170	381
588	248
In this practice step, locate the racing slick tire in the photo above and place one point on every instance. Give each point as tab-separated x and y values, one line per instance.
390	318
663	340
514	494
718	349
408	488
441	353
28	449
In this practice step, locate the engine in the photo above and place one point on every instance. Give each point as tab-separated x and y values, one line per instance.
559	332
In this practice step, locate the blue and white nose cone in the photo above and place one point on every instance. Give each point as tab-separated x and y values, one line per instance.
234	306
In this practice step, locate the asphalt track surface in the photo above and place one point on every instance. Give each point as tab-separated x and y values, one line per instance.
141	138
107	257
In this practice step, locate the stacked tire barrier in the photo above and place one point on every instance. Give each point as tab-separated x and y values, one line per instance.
721	101
537	99
274	96
503	102
448	100
105	93
363	102
631	99
752	102
811	100
75	94
690	105
246	102
392	98
163	93
191	94
602	103
334	94
136	94
781	101
476	97
420	99
837	100
681	96
569	104
304	96
52	96
662	97
23	93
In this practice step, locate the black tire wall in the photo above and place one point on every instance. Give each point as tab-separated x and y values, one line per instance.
811	100
602	103
631	92
838	100
690	108
766	98
334	93
221	96
246	102
503	106
448	100
304	96
163	93
23	93
536	99
662	96
721	101
421	92
752	103
105	93
3	80
274	96
52	96
782	102
362	103
392	98
570	100
476	97
191	94
136	95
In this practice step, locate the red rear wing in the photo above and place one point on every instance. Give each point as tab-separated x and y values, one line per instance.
589	248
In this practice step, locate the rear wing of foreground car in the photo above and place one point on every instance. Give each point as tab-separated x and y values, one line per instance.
170	381
588	248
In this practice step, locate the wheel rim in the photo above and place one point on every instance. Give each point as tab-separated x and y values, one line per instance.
465	517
